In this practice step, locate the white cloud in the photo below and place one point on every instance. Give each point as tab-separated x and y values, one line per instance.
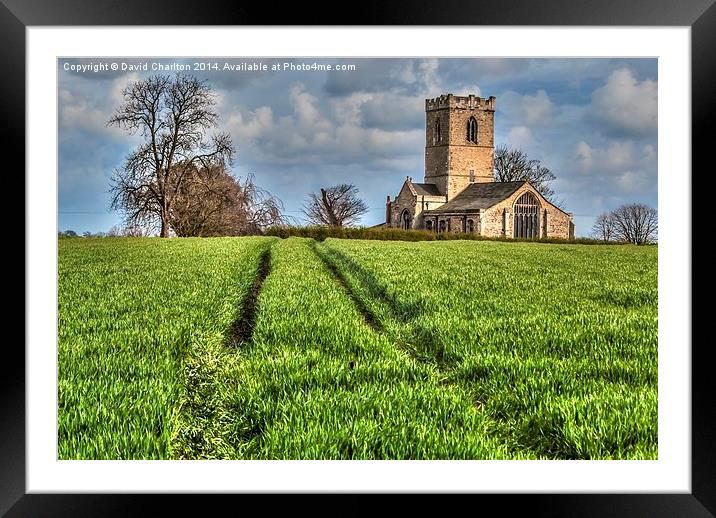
538	107
248	126
429	76
465	90
633	182
617	167
520	136
348	109
620	154
615	156
387	110
630	107
584	156
119	84
528	109
76	112
90	112
649	153
305	109
422	74
310	134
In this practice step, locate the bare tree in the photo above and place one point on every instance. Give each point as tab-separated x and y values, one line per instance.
115	231
211	202
127	231
604	227
135	231
513	165
172	114
337	206
635	223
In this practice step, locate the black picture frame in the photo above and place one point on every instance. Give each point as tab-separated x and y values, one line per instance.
700	15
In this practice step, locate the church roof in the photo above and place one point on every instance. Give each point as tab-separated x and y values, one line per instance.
480	196
426	189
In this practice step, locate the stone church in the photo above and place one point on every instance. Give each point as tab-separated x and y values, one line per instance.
458	193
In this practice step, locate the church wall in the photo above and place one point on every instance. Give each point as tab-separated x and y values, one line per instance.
426	203
453	223
456	224
404	200
433	117
461	108
465	155
415	206
436	166
492	221
558	223
462	159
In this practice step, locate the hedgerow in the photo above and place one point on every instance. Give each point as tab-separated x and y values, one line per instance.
321	233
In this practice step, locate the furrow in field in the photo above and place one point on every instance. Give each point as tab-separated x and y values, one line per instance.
242	328
207	397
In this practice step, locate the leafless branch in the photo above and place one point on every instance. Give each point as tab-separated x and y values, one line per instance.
337	206
513	165
173	115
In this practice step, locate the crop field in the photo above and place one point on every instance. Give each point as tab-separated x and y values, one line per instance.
132	316
265	348
556	345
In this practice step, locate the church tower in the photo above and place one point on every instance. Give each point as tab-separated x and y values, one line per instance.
460	142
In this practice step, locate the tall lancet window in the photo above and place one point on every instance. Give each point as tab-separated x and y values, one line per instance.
437	137
405	220
526	220
472	130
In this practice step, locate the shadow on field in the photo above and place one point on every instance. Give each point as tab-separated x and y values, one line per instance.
242	328
419	340
370	319
398	310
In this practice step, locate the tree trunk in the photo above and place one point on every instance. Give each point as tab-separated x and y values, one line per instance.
165	226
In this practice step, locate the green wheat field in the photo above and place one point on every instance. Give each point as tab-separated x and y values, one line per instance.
268	348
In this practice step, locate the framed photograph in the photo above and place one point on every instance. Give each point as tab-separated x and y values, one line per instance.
360	259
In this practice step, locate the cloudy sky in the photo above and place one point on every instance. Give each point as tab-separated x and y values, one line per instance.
593	122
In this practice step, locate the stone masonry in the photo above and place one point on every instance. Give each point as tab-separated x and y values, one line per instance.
449	155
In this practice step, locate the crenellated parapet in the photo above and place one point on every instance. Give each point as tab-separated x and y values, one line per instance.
457	102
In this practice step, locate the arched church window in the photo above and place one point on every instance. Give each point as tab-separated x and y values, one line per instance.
526	217
470	226
438	136
405	218
472	176
472	130
429	226
442	226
